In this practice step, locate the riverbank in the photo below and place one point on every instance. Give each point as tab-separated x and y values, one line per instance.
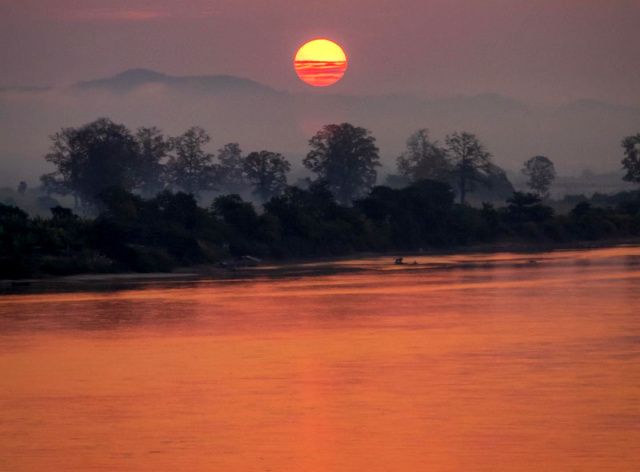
298	267
170	231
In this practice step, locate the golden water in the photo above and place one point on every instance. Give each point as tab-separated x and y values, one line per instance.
461	363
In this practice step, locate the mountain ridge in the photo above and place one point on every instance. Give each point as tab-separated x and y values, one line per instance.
134	78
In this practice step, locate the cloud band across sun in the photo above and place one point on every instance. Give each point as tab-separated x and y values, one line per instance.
320	62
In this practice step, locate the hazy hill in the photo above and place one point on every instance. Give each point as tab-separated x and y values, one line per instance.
578	135
132	79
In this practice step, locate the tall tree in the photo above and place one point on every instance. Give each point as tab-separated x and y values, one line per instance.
153	148
541	173
267	172
631	161
190	167
471	162
231	176
346	157
90	159
423	159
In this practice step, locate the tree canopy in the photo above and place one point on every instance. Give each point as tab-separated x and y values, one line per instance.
267	172
470	161
541	173
423	159
92	158
631	161
153	149
231	176
346	157
190	167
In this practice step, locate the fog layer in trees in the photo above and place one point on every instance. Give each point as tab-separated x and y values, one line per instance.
110	171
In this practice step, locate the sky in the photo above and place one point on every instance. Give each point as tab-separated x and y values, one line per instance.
544	51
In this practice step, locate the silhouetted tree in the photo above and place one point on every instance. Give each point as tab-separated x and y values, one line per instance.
180	207
231	176
242	226
153	148
525	207
470	160
346	157
59	213
491	217
92	158
102	163
311	222
190	167
631	161
541	173
16	245
267	173
423	159
591	223
120	205
411	217
494	184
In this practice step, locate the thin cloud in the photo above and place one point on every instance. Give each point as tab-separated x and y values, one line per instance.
115	14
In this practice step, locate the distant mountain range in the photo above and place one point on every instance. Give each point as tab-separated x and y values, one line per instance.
576	135
131	79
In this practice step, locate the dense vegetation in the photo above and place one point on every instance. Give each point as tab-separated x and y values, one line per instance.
138	208
170	230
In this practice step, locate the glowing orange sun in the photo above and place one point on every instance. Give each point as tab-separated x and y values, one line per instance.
320	62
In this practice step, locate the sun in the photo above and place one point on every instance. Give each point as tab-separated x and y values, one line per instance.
320	62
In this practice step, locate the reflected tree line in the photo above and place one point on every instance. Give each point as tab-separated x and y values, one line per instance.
137	200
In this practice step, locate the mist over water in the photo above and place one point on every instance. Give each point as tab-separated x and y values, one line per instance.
470	362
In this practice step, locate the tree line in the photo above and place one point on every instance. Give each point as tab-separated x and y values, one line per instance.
144	188
170	230
103	154
464	163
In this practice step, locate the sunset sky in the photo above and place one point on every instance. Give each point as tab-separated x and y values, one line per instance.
539	50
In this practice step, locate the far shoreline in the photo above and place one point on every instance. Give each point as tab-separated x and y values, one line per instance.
294	267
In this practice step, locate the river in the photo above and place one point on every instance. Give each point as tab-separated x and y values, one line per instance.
476	362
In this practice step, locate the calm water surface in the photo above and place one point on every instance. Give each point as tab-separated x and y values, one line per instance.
461	363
